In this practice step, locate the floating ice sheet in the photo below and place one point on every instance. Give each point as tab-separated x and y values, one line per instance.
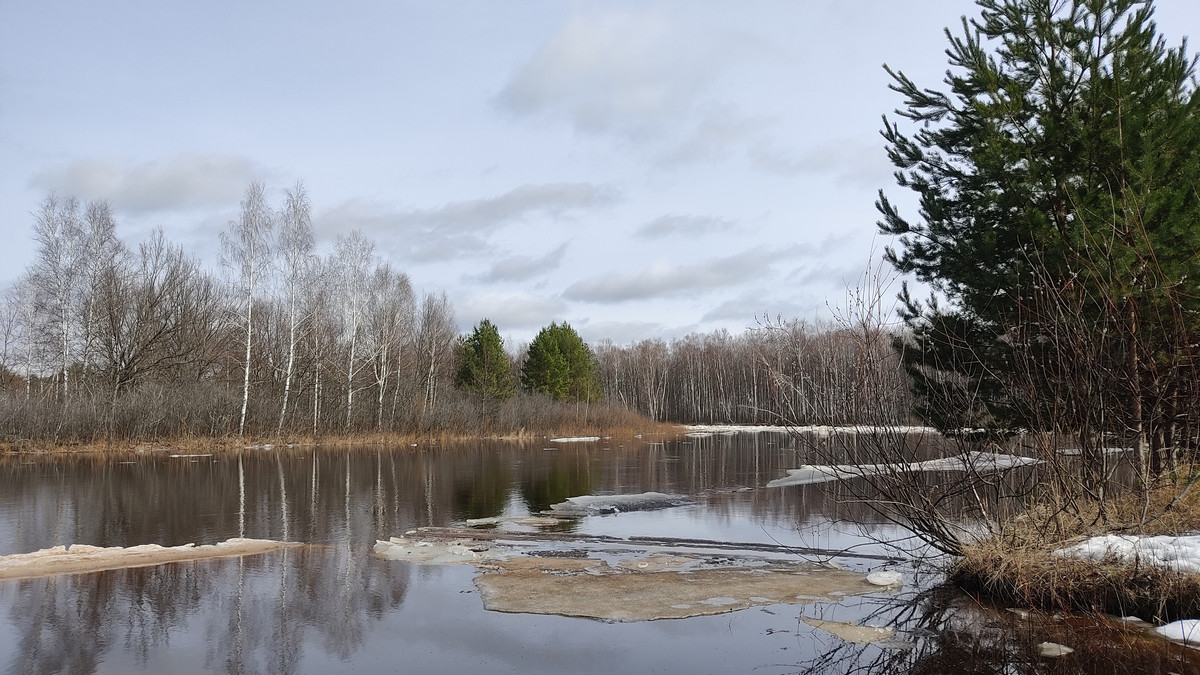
982	462
600	504
575	439
626	584
79	558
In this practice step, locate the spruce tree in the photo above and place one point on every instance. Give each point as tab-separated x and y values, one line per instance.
1057	181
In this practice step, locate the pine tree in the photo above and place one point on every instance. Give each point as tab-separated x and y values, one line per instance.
485	367
561	365
1057	181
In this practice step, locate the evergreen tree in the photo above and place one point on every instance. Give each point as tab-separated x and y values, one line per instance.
561	365
1057	183
485	367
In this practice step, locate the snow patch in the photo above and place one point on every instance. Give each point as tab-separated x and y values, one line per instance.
1187	630
1176	553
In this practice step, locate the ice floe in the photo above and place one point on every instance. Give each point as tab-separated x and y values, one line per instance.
983	462
1053	650
602	504
623	581
575	439
696	430
885	579
79	558
851	632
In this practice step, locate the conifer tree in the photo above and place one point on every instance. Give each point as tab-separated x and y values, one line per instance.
485	367
1057	183
561	365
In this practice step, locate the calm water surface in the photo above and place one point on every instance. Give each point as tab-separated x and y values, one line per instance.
332	607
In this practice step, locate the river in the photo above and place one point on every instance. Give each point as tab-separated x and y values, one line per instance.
331	606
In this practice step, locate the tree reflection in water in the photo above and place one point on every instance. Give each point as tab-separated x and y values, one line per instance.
257	612
307	608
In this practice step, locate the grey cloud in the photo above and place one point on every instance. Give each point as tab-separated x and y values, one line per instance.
185	181
673	224
511	311
628	332
522	268
461	227
754	310
629	73
678	280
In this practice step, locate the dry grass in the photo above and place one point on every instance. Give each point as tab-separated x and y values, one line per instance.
235	443
1019	566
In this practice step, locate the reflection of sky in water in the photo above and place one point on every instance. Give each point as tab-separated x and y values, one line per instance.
332	607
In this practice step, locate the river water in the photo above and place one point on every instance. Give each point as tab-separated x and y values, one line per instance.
332	607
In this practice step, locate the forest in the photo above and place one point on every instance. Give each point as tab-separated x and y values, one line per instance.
101	339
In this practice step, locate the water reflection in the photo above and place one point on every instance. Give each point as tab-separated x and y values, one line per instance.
316	608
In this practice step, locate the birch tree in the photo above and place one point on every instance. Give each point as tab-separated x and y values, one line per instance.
354	256
55	281
245	251
295	256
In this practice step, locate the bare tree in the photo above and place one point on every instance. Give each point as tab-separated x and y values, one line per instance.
55	278
296	262
390	319
354	256
245	250
435	340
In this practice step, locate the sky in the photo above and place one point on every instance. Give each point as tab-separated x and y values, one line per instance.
637	169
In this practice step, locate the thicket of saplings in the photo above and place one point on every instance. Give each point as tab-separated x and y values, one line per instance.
104	341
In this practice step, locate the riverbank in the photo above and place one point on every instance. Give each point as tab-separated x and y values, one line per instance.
230	443
1120	562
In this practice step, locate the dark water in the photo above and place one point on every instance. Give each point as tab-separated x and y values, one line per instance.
332	607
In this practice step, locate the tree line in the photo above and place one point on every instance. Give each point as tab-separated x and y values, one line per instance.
101	339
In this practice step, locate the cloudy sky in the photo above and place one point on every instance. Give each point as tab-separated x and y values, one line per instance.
639	169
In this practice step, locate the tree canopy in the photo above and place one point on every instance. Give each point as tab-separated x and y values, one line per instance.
561	365
486	368
1057	185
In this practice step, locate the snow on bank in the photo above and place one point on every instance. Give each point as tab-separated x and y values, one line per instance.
1187	630
1176	553
575	439
80	558
982	462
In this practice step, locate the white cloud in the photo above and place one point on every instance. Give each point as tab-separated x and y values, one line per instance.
667	281
462	227
510	311
628	73
185	181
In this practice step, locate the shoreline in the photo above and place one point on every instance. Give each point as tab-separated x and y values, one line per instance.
241	443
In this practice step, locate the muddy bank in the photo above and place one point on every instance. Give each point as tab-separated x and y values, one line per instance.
81	558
